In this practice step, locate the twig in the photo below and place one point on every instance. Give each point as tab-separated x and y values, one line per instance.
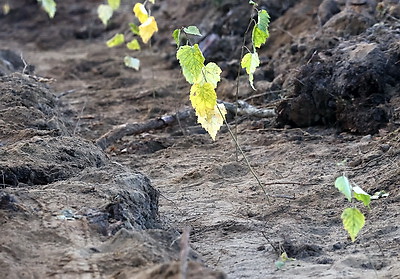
290	182
244	108
65	93
184	252
168	199
277	251
79	117
370	261
238	81
129	129
25	64
244	156
285	31
263	94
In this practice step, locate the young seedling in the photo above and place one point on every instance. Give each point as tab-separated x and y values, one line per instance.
353	219
146	29
204	78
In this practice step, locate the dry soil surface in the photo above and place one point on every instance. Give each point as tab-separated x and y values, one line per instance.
81	217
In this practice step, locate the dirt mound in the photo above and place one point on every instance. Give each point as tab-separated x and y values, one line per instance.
52	179
27	108
352	86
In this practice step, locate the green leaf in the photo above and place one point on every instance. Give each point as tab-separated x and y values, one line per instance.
250	62
192	62
104	12
344	186
362	196
134	28
49	6
203	98
259	37
131	62
133	45
263	21
114	4
353	221
192	30
117	40
176	35
210	73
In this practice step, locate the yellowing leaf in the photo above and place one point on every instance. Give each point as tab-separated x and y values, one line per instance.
192	62
203	98
152	1
104	12
133	45
114	4
353	221
250	62
147	29
131	62
259	37
49	6
344	186
117	40
210	73
140	12
214	121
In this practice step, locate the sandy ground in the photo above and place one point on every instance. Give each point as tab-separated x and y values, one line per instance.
234	227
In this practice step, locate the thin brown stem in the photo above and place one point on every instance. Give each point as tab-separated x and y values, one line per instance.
237	84
244	156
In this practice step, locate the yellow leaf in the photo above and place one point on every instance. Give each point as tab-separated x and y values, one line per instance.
203	98
140	12
152	1
214	121
147	29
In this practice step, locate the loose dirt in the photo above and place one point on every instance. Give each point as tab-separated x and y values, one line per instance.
71	210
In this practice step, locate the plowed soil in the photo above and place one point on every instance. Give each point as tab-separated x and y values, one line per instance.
62	219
